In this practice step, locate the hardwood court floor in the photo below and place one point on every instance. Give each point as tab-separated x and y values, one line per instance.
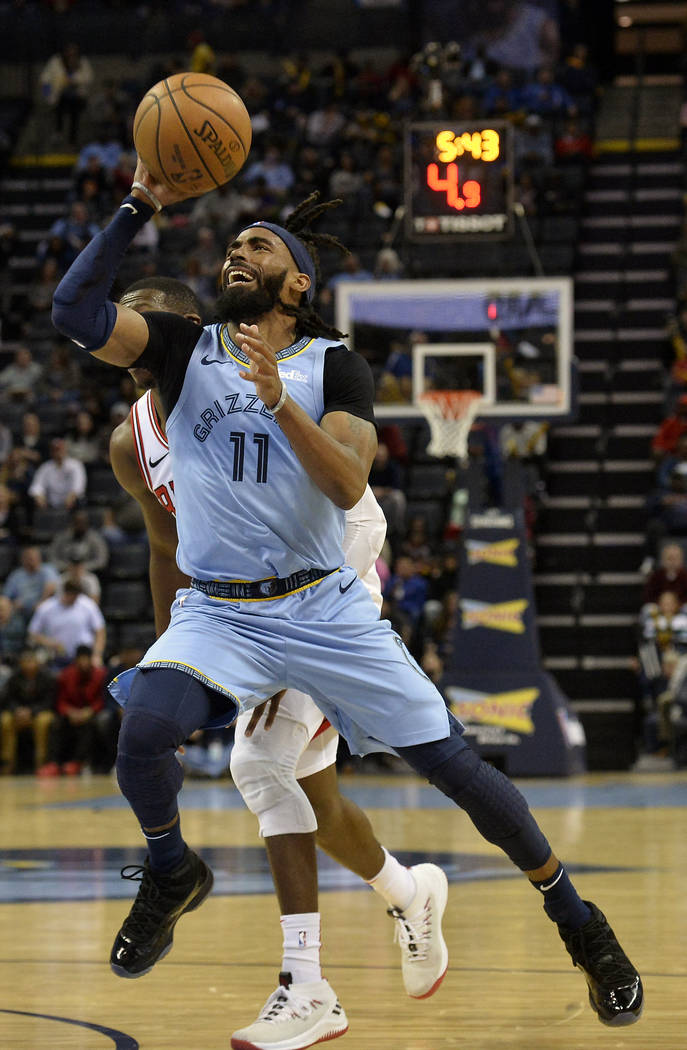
510	984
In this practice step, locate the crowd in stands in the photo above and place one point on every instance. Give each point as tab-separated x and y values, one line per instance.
70	611
662	626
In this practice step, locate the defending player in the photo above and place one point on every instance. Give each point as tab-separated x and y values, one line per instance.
284	766
265	468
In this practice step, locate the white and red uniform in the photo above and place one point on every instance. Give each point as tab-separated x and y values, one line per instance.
267	765
152	451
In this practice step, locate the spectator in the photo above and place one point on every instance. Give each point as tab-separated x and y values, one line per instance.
220	210
106	148
325	125
276	172
87	582
388	265
665	438
65	83
31	583
386	483
670	575
74	232
667	509
17	476
60	481
665	623
407	589
346	180
579	78
673	461
416	544
573	144
10	516
27	705
80	698
32	446
19	380
83	441
43	287
62	623
6	442
12	635
517	34
64	373
351	270
80	543
545	97
502	98
533	148
203	58
431	662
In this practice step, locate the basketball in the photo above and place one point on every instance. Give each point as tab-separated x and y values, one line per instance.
192	132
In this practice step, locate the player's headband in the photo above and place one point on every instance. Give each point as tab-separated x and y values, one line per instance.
301	255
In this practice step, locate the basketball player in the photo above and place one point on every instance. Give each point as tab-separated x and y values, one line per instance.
284	767
270	424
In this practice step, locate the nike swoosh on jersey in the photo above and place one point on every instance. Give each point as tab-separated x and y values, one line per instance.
205	360
150	462
344	589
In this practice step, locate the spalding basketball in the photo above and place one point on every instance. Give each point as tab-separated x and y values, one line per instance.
192	132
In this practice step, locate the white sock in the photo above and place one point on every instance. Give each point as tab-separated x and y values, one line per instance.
301	956
395	883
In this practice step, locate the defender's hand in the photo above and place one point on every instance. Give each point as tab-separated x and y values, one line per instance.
259	711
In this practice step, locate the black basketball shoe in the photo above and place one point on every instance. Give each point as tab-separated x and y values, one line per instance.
615	987
148	929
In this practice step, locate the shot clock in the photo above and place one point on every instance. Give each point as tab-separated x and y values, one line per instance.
458	181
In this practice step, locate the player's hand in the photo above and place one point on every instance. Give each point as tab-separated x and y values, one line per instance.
263	364
161	190
260	710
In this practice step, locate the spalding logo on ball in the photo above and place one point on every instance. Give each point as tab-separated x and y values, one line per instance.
192	132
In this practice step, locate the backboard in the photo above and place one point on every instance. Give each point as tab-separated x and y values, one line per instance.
509	338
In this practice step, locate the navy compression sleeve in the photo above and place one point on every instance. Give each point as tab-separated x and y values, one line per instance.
80	307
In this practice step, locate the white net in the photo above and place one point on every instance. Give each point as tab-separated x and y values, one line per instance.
450	414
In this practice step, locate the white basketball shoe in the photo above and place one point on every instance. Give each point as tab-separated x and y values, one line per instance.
295	1016
424	955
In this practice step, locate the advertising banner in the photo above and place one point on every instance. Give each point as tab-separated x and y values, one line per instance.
514	712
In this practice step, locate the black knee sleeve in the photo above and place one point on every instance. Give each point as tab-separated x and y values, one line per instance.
501	814
148	772
495	806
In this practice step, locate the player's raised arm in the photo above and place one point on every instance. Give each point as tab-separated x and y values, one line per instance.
81	308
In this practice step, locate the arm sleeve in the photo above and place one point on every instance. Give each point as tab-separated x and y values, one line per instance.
81	309
171	342
348	385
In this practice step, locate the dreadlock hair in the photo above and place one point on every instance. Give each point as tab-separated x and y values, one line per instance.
308	321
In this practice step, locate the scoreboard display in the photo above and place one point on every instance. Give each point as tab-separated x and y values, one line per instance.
458	181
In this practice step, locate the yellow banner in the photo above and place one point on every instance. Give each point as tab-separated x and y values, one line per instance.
499	616
510	710
500	553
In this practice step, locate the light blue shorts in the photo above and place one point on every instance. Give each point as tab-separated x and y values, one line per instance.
325	640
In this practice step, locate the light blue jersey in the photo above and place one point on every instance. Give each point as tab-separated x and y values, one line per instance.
247	510
241	494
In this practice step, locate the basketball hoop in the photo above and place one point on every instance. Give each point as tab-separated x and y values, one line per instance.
450	414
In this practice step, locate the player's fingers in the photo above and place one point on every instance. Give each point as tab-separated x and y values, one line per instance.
255	718
273	708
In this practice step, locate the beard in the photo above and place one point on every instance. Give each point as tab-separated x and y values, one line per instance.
247	305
